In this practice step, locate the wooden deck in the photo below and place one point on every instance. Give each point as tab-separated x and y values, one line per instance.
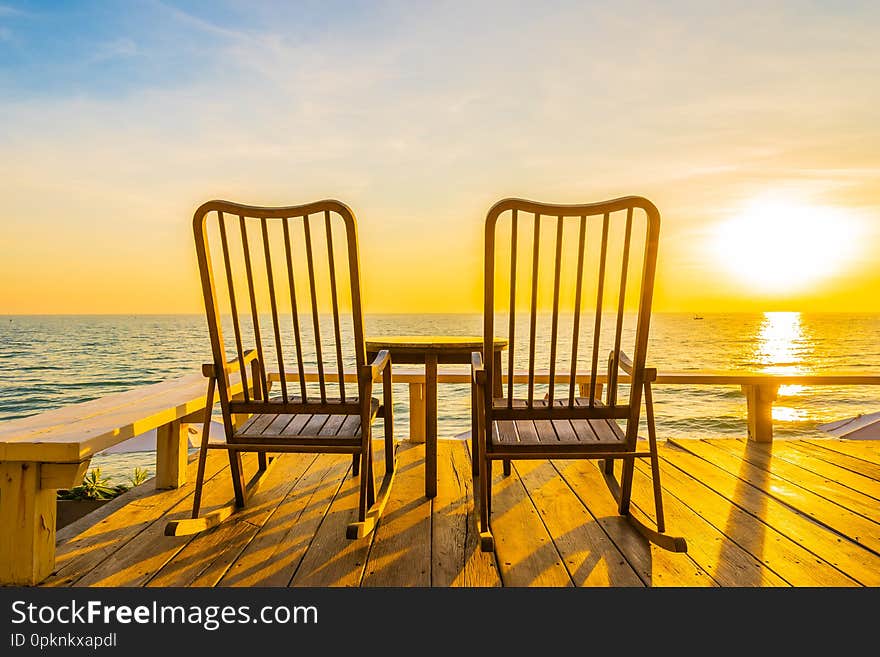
800	513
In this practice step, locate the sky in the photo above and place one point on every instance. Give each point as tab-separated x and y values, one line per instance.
753	130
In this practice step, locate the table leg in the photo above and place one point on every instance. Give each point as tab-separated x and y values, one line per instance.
417	412
430	424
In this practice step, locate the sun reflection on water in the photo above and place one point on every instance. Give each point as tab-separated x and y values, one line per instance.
780	349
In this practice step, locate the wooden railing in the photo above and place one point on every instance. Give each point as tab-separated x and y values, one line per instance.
760	389
42	453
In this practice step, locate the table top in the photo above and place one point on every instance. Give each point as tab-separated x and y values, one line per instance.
430	342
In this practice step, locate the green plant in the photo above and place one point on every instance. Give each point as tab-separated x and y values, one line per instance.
96	487
140	476
93	487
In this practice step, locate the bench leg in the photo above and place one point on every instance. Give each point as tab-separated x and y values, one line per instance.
760	400
27	519
172	451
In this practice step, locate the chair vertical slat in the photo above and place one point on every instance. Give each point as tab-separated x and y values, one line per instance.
224	243
511	329
253	298
274	306
554	325
577	311
598	326
612	380
314	297
293	310
334	298
536	241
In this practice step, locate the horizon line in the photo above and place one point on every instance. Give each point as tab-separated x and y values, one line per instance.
474	312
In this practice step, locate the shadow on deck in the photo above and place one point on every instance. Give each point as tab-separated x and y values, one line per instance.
795	513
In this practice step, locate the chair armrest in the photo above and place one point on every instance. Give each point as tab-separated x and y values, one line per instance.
373	371
478	371
624	362
626	365
210	370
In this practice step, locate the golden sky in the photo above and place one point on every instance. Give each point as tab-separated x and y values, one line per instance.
754	132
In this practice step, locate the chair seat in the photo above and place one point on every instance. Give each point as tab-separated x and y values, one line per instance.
304	428
576	435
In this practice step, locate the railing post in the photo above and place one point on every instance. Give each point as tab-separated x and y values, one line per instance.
760	398
417	412
172	452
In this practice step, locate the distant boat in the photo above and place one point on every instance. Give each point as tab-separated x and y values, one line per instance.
697	317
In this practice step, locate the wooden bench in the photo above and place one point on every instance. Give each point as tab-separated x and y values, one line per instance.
42	453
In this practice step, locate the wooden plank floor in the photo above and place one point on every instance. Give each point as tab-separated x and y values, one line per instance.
798	513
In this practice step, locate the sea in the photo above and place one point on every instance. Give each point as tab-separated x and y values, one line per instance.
49	361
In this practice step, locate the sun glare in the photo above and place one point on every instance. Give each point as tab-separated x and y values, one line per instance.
782	246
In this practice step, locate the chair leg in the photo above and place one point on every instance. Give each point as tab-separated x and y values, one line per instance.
236	471
262	461
475	436
484	514
371	482
506	467
203	449
355	465
372	501
362	499
655	460
388	417
488	490
389	454
487	541
608	466
626	479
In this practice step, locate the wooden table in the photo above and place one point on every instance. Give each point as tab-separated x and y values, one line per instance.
431	350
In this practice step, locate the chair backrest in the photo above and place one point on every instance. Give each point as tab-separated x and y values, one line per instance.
277	273
571	259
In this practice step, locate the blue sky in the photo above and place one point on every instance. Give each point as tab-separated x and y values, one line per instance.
117	47
420	115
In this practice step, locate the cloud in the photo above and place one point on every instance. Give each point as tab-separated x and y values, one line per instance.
201	24
117	48
6	10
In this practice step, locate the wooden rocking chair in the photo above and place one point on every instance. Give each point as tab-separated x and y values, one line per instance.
575	424
269	255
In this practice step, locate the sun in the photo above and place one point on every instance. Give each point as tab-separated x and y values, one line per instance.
777	245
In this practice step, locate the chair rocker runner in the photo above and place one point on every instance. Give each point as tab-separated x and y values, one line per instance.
297	418
576	425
